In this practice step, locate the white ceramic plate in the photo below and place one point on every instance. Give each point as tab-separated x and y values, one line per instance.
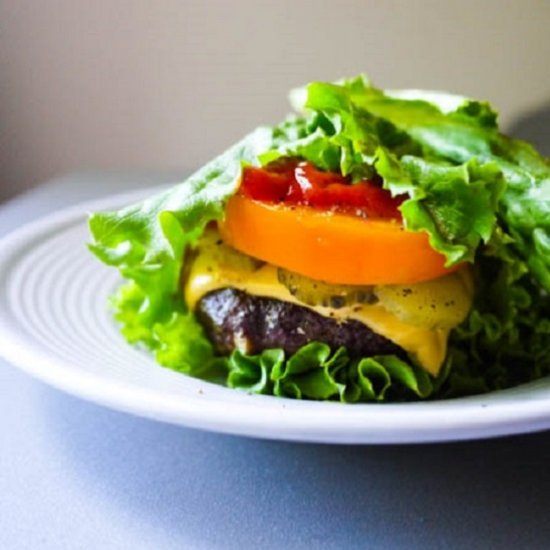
55	324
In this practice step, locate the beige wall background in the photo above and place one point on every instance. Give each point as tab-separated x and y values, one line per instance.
166	84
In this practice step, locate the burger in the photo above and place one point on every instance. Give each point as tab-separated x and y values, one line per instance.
375	246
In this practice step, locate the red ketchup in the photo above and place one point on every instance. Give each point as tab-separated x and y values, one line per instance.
293	182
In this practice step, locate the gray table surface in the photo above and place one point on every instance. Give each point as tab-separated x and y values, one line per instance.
75	475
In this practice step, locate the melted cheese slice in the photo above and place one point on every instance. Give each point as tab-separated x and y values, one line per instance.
211	271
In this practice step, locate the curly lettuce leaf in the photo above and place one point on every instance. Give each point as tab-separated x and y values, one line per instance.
455	204
505	341
317	372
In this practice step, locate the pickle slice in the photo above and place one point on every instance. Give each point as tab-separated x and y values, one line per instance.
218	257
439	303
319	293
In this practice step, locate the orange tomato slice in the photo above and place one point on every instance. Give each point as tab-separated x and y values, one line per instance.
332	247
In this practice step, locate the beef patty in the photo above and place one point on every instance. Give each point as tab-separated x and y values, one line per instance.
233	318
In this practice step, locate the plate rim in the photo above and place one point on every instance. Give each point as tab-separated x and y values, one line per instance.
475	417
